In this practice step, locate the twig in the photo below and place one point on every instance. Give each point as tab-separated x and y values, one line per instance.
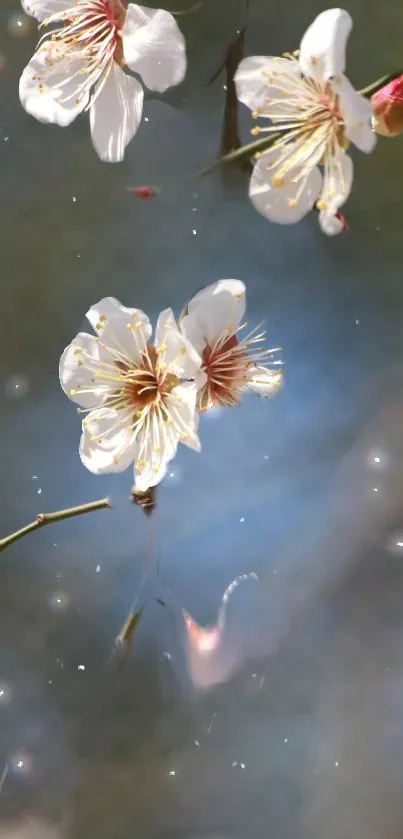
375	86
49	518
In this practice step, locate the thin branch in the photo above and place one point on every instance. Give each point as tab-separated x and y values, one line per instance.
375	86
49	518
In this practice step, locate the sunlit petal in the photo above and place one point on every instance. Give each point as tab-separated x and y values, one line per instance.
154	47
284	200
323	47
126	330
115	114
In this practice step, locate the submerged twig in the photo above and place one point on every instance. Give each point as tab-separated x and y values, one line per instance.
49	518
230	136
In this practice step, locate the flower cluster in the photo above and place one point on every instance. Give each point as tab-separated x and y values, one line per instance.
142	397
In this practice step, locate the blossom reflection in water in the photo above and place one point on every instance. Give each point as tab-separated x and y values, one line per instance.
212	655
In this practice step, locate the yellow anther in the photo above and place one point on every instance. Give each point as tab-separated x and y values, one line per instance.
80	363
162	348
157	449
321	205
102	318
72	392
116	461
278	181
78	350
182	351
256	130
292	202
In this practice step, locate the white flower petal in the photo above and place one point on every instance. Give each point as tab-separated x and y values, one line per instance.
337	183
214	309
127	331
178	353
323	47
115	114
150	477
42	9
356	111
50	86
77	366
277	203
331	223
105	445
182	407
264	382
253	86
157	443
154	47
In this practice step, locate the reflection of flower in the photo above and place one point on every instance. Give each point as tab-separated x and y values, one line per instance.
317	112
230	364
387	109
78	66
138	394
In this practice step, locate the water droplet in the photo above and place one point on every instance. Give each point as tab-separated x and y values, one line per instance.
16	386
59	601
6	693
19	25
20	763
81	667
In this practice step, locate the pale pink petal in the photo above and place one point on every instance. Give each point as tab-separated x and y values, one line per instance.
124	330
256	81
331	223
115	114
357	113
282	200
77	368
156	445
175	350
105	445
181	405
154	47
264	382
337	182
50	86
42	9
215	309
323	47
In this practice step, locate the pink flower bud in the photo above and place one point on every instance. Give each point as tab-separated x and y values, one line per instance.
387	109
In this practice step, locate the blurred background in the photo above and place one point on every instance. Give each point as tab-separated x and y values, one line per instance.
293	723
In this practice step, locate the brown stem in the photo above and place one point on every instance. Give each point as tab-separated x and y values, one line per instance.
49	518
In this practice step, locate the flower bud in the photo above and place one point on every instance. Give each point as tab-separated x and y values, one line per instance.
387	109
332	222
